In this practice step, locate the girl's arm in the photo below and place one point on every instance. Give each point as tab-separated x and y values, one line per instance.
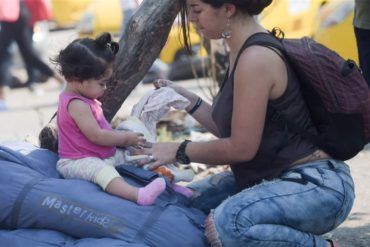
82	115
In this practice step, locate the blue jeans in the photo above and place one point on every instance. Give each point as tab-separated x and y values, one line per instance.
363	40
292	210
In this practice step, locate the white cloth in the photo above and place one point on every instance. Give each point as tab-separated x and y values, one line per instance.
144	118
155	104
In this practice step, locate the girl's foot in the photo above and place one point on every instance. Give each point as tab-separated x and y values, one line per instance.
332	243
147	195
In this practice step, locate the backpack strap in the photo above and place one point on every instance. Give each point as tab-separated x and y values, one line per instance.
263	39
268	40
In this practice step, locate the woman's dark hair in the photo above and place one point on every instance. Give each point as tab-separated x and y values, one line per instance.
86	58
251	7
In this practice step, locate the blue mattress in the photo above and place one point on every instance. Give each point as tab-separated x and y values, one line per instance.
79	213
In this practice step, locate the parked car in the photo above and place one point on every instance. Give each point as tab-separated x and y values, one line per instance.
335	28
106	16
67	13
100	16
327	21
296	18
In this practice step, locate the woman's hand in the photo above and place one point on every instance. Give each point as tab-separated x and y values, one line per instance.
175	86
179	89
158	154
162	83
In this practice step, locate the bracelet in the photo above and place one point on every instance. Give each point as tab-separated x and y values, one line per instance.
181	156
196	106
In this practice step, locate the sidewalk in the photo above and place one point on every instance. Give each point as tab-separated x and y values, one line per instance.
29	113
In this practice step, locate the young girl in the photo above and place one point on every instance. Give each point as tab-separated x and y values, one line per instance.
87	143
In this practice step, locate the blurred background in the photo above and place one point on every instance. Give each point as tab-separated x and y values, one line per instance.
327	21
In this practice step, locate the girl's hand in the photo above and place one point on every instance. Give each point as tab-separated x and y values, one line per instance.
134	139
158	154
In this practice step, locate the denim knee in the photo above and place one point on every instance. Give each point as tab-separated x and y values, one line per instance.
230	223
211	191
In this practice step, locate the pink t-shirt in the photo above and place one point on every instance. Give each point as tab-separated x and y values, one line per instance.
72	143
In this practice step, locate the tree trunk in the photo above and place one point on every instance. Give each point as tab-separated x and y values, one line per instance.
143	40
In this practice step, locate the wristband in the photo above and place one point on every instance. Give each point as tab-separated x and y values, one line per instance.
181	156
196	106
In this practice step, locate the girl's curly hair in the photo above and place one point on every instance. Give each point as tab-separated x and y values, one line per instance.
86	58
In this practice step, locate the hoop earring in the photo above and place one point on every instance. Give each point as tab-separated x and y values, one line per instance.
226	34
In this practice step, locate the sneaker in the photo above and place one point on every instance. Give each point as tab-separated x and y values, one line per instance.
36	89
3	106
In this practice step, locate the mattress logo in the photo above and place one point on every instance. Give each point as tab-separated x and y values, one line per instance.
77	212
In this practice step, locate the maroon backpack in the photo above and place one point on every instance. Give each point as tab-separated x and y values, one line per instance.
335	92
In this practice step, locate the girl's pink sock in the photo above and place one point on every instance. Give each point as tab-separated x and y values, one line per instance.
148	194
182	190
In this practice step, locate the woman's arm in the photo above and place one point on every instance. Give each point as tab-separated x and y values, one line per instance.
260	76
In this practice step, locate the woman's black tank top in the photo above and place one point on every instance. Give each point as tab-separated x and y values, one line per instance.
279	148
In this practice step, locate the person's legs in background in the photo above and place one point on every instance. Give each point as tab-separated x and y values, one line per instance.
363	46
6	38
5	76
31	71
29	54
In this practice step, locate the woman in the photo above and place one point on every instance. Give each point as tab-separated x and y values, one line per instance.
282	190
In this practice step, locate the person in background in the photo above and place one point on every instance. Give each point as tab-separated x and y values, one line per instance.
282	190
128	9
361	23
40	11
86	141
16	30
